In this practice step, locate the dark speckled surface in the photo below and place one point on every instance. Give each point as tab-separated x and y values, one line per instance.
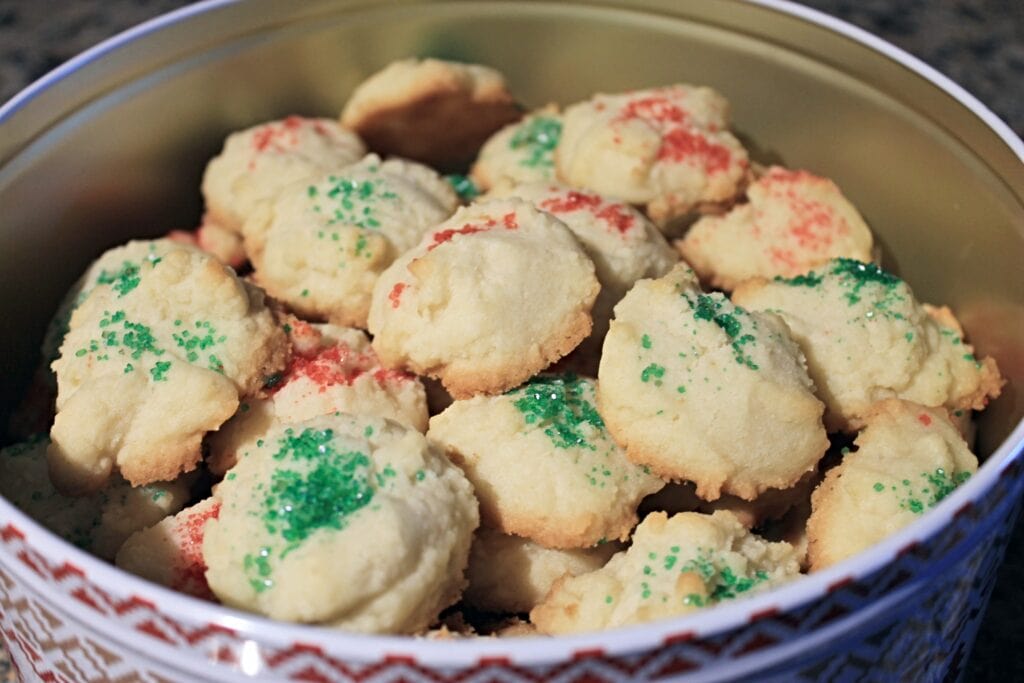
977	43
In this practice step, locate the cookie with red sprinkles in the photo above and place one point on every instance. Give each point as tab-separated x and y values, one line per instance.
792	222
668	149
486	300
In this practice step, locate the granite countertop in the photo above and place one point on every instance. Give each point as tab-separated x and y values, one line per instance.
977	43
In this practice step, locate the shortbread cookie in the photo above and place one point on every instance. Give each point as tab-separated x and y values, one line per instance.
703	390
908	459
543	465
257	162
512	574
170	552
332	369
621	242
867	338
666	148
792	222
487	299
145	371
99	523
521	152
321	244
433	111
354	522
120	268
675	565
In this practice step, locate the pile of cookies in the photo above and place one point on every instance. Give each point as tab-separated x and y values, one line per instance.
616	373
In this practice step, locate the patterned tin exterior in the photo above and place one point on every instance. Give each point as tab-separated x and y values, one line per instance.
915	619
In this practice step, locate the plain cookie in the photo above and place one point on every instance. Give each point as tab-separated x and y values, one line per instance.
512	574
430	110
99	523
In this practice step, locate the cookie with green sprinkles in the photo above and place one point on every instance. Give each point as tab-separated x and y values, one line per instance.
346	521
699	389
143	375
868	338
907	460
543	464
321	244
98	523
674	565
121	269
521	152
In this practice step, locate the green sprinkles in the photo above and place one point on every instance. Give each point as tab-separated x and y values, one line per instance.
557	404
159	370
123	280
937	485
809	280
708	307
538	138
856	275
349	201
724	583
202	339
645	341
652	372
257	567
133	340
463	186
333	486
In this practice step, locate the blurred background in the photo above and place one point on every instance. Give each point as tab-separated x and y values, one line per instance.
977	43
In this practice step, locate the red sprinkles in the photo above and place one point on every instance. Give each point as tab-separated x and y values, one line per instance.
925	419
509	221
338	365
681	145
395	296
814	225
190	576
615	215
